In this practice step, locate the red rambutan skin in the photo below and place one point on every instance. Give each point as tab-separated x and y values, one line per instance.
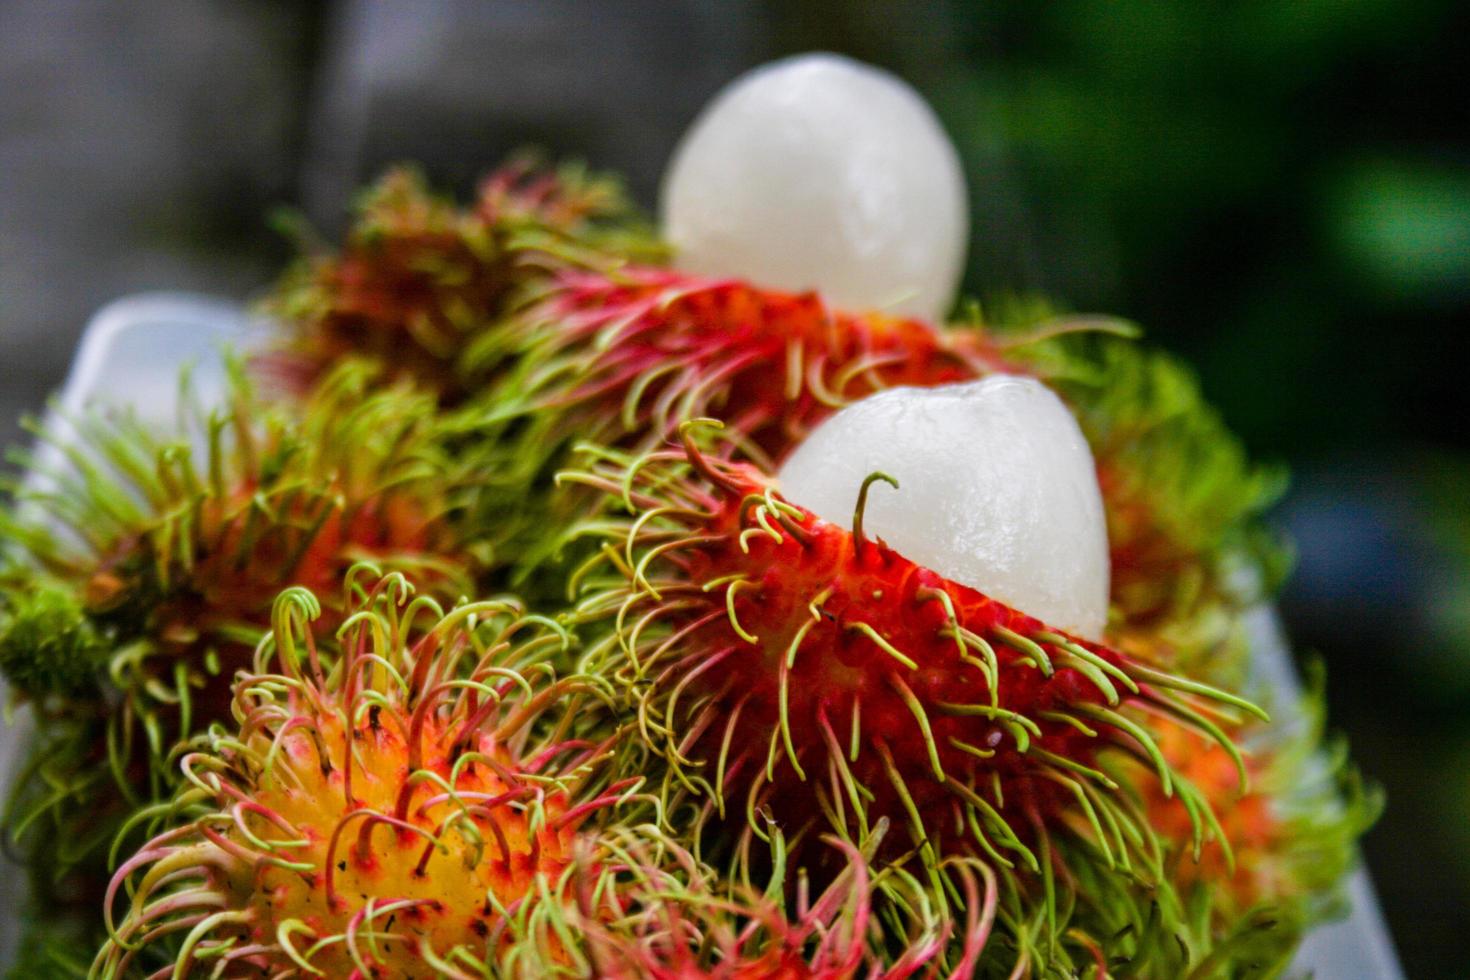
394	290
665	347
237	572
840	670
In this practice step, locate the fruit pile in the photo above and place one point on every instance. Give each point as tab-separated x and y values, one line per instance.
534	607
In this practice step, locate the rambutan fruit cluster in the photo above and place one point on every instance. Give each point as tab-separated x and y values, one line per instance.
425	795
745	741
529	310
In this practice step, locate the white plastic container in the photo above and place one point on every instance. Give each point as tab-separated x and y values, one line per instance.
132	353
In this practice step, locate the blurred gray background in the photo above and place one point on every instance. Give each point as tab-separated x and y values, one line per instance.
1281	192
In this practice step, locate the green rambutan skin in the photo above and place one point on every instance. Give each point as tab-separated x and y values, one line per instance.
49	646
143	577
54	948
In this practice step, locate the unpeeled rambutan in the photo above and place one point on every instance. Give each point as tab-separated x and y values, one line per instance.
401	803
140	578
420	282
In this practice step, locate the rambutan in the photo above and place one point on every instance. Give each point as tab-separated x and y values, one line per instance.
140	578
403	806
420	282
665	916
802	669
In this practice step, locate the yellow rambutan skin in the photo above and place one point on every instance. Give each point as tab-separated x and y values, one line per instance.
400	810
444	881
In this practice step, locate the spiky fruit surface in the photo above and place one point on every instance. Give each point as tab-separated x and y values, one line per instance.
402	807
624	358
788	664
419	281
668	917
139	585
646	349
1288	839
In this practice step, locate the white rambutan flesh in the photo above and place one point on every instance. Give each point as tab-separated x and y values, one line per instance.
997	490
819	172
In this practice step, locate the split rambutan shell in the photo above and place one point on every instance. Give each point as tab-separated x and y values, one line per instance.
809	671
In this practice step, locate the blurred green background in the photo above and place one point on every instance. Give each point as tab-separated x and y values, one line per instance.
1279	191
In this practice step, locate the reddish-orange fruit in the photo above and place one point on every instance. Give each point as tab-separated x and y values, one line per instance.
421	282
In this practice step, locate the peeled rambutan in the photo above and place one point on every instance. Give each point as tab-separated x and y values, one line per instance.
140	579
420	282
796	667
402	803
